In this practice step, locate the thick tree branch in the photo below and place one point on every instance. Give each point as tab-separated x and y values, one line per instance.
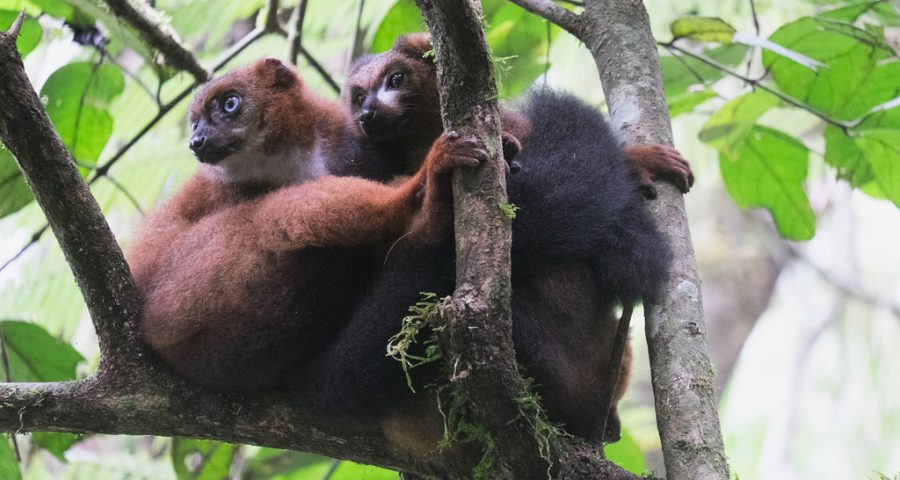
618	34
569	21
73	214
478	336
152	27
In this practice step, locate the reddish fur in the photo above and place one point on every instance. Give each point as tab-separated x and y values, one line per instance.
217	261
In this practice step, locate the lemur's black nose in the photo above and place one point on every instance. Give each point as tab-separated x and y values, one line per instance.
197	143
366	115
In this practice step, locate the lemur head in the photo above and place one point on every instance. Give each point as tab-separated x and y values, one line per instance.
251	120
394	94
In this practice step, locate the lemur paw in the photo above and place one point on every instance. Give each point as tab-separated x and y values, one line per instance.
459	151
674	167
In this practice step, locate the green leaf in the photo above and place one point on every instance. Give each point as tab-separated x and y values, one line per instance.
627	454
767	169
727	128
685	102
842	153
9	466
29	35
703	29
882	149
14	193
35	356
55	443
856	76
201	459
402	18
78	96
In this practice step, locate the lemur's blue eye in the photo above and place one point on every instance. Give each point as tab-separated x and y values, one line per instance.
231	104
358	98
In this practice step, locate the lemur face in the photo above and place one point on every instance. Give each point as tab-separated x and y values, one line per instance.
243	120
386	92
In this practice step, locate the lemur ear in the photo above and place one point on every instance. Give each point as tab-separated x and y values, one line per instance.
281	74
416	46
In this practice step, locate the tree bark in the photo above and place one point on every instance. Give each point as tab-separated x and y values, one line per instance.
618	34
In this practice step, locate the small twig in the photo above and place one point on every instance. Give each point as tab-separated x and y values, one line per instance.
150	25
569	21
125	192
356	43
111	59
320	69
295	33
335	463
272	24
781	96
35	237
756	28
614	367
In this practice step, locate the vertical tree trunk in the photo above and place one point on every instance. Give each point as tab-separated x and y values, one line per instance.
619	37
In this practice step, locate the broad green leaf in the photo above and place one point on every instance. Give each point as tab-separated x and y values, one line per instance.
685	102
682	72
727	128
29	35
55	443
627	454
78	95
402	18
703	29
858	72
882	149
842	153
201	459
35	356
14	193
9	466
767	169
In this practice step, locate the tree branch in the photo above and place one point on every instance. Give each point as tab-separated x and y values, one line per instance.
569	21
73	214
618	34
152	27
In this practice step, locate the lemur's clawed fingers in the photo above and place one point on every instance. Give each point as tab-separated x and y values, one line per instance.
661	161
458	151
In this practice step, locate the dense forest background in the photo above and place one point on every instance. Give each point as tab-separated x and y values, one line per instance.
788	111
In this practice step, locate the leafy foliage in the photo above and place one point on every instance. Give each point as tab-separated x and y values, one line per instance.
836	65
